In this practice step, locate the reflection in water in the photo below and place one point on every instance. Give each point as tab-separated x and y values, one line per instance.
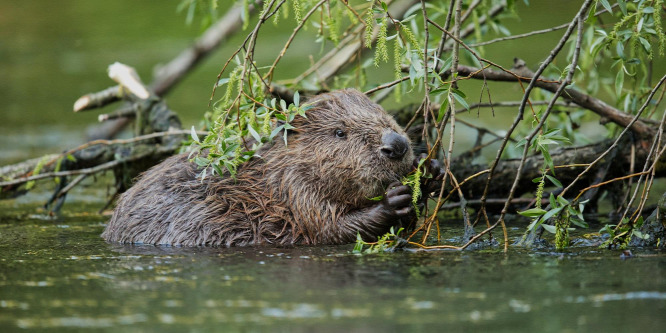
55	277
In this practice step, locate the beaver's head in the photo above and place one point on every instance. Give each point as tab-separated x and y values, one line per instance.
349	147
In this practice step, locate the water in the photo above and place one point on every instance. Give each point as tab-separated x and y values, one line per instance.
60	275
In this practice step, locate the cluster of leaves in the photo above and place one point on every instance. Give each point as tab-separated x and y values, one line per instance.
620	235
386	243
239	128
565	212
631	44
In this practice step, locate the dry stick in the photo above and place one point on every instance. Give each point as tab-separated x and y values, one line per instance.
457	22
455	67
427	225
168	75
634	120
610	181
265	15
102	142
87	171
469	29
70	186
269	75
656	143
579	21
521	111
174	71
654	110
442	41
581	99
386	85
532	33
528	34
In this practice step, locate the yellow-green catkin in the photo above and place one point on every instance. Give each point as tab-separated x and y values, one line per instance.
412	40
658	5
276	16
369	27
296	4
562	230
333	25
414	182
264	8
233	78
381	53
352	18
397	68
266	125
539	191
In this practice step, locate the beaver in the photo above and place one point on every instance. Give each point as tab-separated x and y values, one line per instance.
316	189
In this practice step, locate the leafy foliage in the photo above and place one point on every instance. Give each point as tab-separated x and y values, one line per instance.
386	243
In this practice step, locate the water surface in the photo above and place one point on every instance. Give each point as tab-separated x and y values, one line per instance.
59	274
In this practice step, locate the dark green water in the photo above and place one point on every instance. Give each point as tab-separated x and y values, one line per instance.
60	275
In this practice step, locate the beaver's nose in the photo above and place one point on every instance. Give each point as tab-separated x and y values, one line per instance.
394	145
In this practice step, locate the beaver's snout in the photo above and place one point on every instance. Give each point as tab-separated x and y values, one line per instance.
394	145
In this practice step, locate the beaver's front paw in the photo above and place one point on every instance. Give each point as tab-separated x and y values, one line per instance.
398	201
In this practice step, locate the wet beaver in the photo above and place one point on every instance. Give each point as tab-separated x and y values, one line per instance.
315	190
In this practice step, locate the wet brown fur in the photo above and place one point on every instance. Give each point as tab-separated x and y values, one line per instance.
313	191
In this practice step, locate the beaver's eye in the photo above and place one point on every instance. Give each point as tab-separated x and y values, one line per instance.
340	133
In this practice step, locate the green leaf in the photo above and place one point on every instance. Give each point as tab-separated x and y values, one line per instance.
71	157
645	43
534	212
554	181
254	133
579	222
552	201
606	5
619	48
195	137
548	160
608	229
297	98
460	97
623	7
549	228
217	169
276	131
551	213
442	110
640	234
200	161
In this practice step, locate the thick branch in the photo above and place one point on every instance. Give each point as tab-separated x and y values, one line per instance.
581	99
